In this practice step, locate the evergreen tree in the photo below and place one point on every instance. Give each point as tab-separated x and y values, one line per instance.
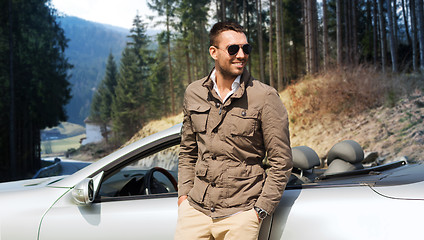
101	111
166	8
108	92
193	15
95	105
292	18
133	90
160	94
127	104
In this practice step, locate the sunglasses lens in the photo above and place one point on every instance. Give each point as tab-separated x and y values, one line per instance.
247	49
233	49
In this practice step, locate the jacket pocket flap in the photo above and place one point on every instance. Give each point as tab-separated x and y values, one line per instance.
245	122
246	171
199	117
242	113
201	172
201	169
198	108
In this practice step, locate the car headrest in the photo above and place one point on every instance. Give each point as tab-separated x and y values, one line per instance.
305	158
347	150
340	166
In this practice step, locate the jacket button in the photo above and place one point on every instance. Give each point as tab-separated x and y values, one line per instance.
212	209
243	114
213	184
217	104
215	130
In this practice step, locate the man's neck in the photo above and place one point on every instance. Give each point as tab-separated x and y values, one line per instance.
223	81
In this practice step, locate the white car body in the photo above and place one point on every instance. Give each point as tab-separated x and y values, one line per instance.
378	205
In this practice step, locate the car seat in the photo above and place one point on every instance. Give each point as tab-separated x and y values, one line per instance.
304	160
344	156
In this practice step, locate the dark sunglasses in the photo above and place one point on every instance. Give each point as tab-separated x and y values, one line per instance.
234	49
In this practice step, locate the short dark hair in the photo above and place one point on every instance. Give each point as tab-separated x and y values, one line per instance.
220	27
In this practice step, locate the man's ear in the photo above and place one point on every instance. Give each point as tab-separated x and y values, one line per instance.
213	51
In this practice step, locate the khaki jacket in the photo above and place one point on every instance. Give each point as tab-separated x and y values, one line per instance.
223	147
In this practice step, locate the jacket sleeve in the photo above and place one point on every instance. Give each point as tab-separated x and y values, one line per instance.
188	154
275	128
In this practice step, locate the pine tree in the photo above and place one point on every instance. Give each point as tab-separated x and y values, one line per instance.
393	47
127	105
109	83
133	90
192	15
101	110
167	8
159	83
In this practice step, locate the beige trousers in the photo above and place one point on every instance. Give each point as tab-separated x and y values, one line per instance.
192	224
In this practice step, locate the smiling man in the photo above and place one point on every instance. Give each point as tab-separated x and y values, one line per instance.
231	122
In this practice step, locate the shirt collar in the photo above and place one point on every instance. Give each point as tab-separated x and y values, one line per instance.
234	86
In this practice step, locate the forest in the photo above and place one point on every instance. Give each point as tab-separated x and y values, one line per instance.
290	38
34	83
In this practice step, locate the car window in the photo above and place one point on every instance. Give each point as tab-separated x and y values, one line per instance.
148	175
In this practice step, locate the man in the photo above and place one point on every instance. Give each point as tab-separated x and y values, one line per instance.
231	121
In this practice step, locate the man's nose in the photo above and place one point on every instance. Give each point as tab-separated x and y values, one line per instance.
240	53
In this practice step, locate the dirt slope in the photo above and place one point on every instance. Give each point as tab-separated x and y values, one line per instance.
392	132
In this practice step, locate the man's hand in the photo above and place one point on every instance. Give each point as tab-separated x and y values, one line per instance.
181	199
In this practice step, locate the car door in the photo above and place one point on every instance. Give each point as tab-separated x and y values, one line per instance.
123	209
150	218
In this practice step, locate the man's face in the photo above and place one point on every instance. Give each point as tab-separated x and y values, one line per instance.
229	65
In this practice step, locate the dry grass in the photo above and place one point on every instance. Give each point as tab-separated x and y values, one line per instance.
357	104
340	92
156	126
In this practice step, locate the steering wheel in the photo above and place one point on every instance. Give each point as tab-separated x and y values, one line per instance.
149	180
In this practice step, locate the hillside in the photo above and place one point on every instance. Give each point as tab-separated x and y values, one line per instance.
383	113
88	48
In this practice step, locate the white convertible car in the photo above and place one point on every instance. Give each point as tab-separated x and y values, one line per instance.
131	194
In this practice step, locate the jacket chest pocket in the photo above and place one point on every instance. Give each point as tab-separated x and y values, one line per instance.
244	122
199	117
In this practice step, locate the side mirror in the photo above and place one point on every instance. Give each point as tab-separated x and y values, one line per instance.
85	191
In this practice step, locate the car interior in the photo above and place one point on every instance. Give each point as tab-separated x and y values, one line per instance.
344	160
153	174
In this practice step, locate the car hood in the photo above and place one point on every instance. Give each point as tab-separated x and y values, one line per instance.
23	203
28	184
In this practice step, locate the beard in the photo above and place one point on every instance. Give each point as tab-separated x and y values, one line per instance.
226	73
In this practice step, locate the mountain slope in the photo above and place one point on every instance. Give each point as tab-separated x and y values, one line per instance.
89	46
